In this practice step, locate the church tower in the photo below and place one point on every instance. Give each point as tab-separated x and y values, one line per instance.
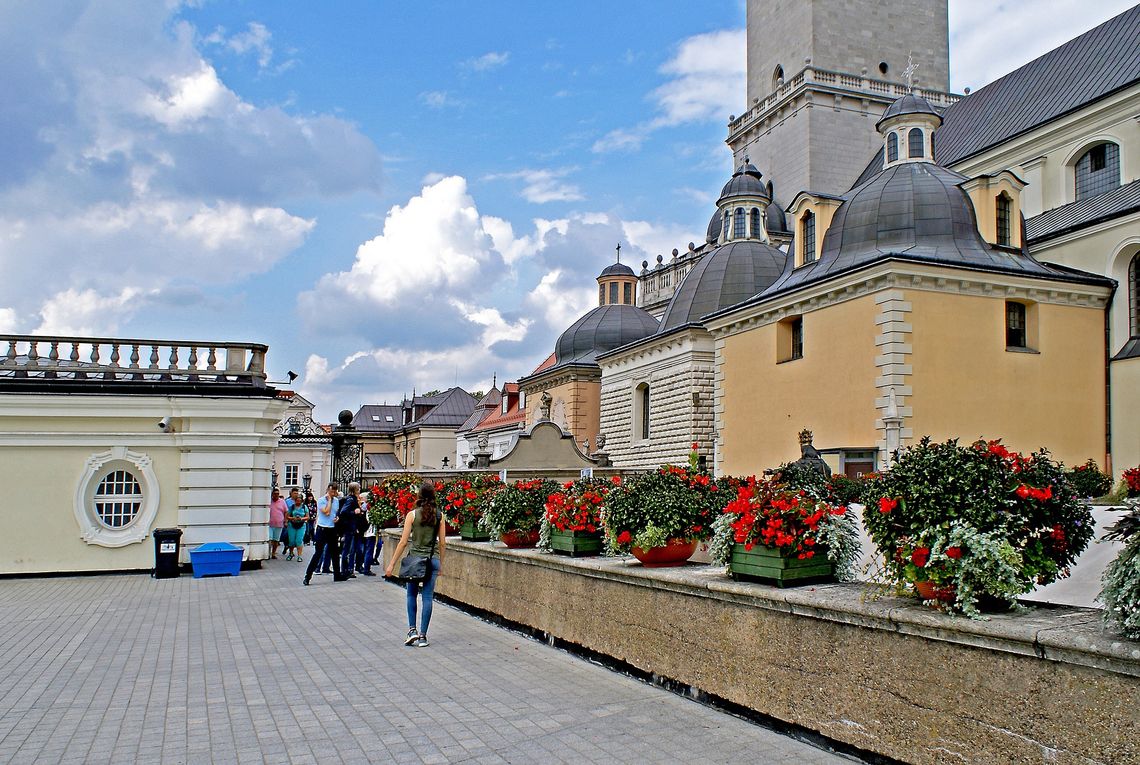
820	75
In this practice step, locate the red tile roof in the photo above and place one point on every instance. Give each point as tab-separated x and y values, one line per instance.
550	361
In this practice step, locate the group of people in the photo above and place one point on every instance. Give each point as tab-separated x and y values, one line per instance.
344	538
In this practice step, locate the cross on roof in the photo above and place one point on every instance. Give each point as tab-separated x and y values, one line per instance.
619	252
911	67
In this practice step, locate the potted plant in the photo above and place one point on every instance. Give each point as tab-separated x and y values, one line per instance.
572	523
963	524
1131	478
515	511
661	516
1120	592
392	498
775	533
1089	481
464	502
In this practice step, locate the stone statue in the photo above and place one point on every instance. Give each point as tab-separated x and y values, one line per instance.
544	406
484	441
810	456
600	441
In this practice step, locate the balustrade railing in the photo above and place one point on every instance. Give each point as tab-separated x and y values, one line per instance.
52	357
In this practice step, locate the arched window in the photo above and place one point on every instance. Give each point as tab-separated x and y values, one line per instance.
738	224
1134	296
1098	170
755	223
807	236
777	77
892	147
641	412
914	143
1004	208
724	233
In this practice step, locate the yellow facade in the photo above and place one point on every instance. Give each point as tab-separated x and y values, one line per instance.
831	390
576	404
968	386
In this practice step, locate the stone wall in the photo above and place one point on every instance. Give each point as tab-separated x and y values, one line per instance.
876	672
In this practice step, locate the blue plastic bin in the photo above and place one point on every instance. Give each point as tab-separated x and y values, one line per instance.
216	559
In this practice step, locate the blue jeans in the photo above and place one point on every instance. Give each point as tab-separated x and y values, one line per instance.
367	550
348	558
428	596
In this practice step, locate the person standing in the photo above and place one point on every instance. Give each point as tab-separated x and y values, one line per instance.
277	510
350	511
311	526
295	525
328	507
425	528
367	556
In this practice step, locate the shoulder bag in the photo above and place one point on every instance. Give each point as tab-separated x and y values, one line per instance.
414	568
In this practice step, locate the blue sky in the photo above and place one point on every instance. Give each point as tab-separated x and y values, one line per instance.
391	195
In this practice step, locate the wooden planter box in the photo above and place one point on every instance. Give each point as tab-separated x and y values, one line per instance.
471	532
576	543
767	564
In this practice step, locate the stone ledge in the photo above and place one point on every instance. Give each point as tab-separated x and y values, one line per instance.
1063	634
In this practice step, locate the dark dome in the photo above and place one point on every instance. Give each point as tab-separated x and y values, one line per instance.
774	219
908	104
914	210
716	223
602	329
617	269
744	182
728	275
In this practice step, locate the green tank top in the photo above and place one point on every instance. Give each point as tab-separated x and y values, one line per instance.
421	541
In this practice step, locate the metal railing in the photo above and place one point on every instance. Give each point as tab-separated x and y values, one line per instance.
50	357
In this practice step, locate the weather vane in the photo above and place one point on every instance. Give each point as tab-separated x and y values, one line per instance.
911	67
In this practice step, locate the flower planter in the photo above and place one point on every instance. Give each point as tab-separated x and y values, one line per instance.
675	553
768	564
519	539
576	543
470	531
451	530
928	590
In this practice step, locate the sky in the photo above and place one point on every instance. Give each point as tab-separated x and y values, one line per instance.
392	196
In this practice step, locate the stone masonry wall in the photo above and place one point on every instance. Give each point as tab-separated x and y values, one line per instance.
881	673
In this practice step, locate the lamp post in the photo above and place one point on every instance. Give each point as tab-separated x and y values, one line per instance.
306	481
273	477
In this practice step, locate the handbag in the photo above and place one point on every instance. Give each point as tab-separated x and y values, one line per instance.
414	568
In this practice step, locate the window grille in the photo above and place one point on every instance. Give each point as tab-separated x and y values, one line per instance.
738	224
892	147
1014	325
1004	203
292	473
1098	170
914	143
118	499
807	232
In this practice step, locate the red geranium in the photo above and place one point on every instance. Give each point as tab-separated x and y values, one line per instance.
886	504
624	538
920	556
578	506
768	513
953	553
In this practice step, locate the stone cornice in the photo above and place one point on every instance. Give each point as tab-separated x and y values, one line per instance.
893	274
684	339
551	378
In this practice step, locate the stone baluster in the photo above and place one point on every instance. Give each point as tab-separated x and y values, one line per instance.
211	359
153	357
33	354
192	362
10	358
53	357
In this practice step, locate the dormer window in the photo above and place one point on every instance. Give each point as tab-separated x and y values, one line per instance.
755	215
807	238
1098	170
915	143
1004	207
738	224
892	147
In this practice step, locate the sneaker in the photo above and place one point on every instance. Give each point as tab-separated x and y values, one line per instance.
422	642
289	556
300	559
305	581
413	637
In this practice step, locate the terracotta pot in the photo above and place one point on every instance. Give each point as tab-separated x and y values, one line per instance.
673	553
928	590
516	539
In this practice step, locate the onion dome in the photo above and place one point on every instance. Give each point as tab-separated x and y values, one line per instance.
908	104
915	211
728	275
745	182
603	329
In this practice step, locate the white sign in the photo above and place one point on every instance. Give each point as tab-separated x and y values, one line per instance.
167	547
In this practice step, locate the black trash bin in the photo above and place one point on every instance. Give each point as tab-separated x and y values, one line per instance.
166	544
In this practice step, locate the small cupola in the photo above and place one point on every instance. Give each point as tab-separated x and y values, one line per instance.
907	127
617	284
742	208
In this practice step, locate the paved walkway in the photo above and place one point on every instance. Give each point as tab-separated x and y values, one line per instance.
126	669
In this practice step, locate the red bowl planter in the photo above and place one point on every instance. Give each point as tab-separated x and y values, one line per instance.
516	539
928	590
674	553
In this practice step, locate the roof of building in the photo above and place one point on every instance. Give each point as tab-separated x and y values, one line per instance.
744	182
451	409
916	211
911	103
602	329
1086	212
617	269
483	409
1085	69
727	275
377	418
382	462
497	418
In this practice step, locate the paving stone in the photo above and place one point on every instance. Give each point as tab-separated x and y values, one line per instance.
257	668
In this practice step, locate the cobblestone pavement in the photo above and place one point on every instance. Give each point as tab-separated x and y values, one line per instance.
126	669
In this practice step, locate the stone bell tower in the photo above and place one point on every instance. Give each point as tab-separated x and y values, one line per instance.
820	75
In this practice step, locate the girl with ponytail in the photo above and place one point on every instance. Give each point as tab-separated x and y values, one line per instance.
425	528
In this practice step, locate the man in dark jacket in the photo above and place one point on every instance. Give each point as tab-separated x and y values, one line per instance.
348	522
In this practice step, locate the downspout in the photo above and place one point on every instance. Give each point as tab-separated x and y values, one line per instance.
1108	388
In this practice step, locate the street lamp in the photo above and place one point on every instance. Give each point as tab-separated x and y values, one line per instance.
273	477
306	480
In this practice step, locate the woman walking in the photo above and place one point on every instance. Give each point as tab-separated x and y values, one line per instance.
295	529
424	527
277	510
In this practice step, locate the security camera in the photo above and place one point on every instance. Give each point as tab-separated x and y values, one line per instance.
165	426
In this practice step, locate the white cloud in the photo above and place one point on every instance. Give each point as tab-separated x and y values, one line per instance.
87	313
559	301
542	186
437	99
706	81
8	322
488	61
658	238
